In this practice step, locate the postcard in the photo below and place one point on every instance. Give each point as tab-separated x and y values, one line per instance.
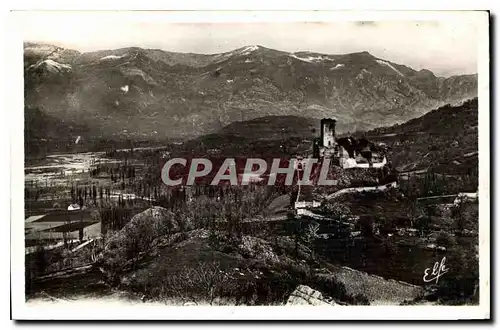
316	165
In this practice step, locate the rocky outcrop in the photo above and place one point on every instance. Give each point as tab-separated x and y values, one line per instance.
304	295
158	218
253	247
138	235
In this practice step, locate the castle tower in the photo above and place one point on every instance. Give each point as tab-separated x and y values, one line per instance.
328	132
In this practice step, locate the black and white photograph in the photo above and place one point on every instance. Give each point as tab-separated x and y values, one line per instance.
315	163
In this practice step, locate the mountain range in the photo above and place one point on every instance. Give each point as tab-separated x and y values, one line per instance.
137	93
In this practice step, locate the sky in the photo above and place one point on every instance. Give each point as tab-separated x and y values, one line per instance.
444	46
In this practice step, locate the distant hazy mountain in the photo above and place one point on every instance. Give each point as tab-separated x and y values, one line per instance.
150	93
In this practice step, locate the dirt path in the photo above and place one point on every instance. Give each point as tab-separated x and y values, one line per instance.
361	189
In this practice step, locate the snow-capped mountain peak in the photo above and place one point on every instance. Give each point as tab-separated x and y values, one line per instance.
112	57
249	49
390	66
311	59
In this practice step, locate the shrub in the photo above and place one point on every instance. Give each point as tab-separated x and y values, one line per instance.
358	299
275	288
422	224
35	265
335	209
204	282
330	286
466	215
446	240
367	225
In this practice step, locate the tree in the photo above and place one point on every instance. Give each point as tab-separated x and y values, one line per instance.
458	213
423	225
310	234
413	211
366	224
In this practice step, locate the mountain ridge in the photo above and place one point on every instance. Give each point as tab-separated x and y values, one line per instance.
142	93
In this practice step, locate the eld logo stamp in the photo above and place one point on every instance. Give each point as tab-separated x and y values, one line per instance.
438	270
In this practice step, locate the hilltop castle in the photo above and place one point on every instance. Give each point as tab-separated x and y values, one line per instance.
347	152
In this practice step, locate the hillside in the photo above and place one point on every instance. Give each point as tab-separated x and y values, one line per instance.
271	136
273	128
149	93
445	139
